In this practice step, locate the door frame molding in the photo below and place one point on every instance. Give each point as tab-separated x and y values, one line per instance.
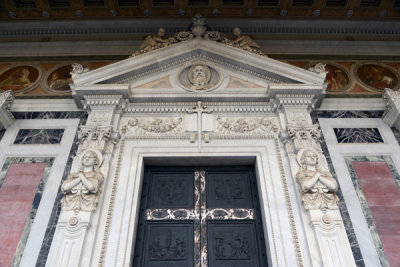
280	209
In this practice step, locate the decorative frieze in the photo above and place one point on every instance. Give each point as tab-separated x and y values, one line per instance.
154	125
246	125
6	101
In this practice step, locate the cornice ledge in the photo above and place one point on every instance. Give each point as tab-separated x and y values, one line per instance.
104	101
304	100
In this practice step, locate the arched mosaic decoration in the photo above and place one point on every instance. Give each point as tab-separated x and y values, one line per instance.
19	78
377	77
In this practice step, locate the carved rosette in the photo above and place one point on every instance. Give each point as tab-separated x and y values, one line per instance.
6	100
142	126
247	125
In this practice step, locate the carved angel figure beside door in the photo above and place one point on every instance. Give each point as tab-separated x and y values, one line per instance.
317	186
82	189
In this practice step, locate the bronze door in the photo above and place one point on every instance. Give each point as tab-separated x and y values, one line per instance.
200	217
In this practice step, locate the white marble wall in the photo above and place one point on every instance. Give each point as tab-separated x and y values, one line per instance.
60	153
338	152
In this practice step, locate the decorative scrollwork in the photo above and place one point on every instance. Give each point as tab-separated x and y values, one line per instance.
198	29
78	69
244	125
6	100
171	214
184	36
318	68
215	36
229	214
154	125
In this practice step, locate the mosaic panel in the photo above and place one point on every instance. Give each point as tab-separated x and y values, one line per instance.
376	200
345	78
358	135
36	199
38	136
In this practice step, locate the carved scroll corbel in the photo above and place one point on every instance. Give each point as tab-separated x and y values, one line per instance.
391	116
6	118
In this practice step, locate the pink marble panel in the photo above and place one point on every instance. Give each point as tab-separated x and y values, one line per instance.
383	199
16	196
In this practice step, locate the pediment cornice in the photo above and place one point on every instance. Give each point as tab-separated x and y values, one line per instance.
121	77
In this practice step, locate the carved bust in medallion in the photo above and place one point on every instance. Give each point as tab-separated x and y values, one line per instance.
199	77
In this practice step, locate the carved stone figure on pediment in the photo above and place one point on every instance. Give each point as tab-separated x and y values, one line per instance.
244	41
154	42
82	189
317	186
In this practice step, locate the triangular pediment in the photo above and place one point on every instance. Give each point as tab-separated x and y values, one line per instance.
164	72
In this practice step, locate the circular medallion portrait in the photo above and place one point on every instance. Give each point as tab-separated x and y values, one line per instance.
377	77
19	78
337	78
199	77
59	79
